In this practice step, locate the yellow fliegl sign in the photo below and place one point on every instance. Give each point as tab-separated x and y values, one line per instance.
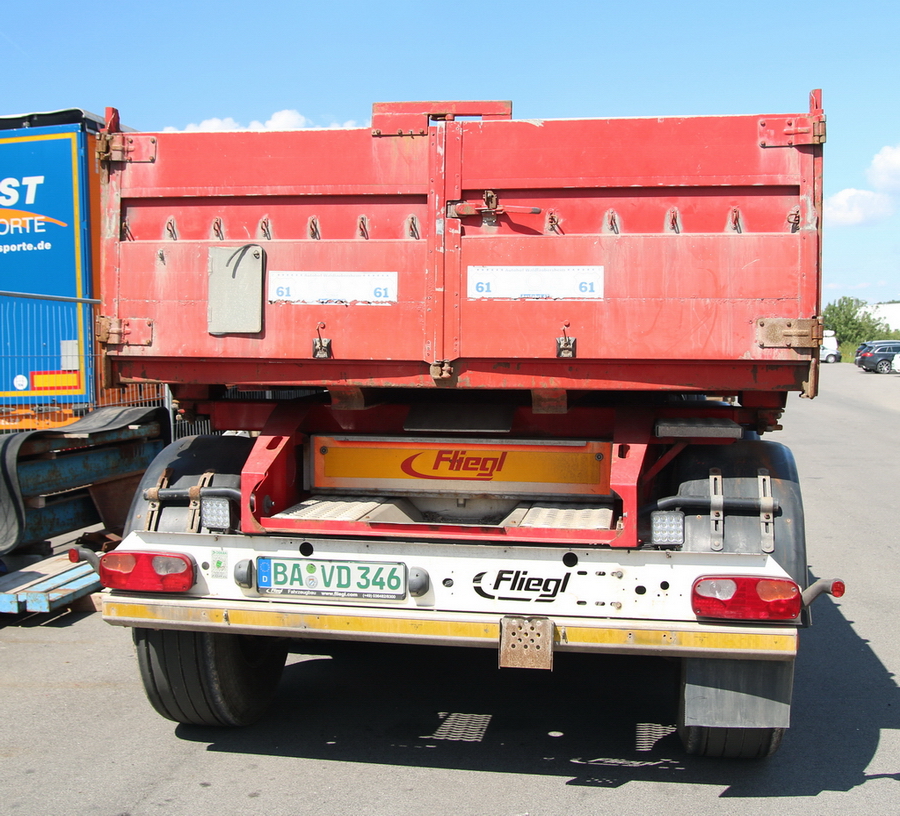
577	468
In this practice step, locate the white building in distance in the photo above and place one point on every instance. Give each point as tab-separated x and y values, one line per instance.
888	312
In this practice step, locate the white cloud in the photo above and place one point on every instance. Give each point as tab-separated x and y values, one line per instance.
280	120
851	207
206	125
884	172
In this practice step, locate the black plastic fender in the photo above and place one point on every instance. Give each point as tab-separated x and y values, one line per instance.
188	459
740	464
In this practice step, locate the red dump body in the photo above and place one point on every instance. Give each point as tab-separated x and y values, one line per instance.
449	245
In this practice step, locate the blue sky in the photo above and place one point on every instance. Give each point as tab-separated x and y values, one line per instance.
292	62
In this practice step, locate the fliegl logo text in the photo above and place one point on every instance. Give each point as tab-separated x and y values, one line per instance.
518	585
454	464
16	193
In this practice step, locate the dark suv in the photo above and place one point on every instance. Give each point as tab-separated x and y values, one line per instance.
877	356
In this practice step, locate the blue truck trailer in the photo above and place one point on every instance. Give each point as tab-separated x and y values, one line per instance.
48	203
69	448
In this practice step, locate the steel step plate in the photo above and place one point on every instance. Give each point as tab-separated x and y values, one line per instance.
545	515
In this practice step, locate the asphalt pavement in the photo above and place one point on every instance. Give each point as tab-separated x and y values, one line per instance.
400	731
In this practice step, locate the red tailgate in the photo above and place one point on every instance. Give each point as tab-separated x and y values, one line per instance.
486	253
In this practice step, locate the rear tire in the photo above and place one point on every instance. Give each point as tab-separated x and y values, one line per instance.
198	678
730	743
883	366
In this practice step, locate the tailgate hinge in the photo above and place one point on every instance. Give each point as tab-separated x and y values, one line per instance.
134	331
789	332
126	147
789	131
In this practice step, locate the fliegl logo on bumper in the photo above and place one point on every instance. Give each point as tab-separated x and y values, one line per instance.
453	464
518	585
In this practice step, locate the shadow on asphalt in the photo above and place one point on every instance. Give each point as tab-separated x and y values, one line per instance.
597	721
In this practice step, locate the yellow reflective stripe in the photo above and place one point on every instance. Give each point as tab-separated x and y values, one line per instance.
374	626
782	643
298	621
55	379
785	642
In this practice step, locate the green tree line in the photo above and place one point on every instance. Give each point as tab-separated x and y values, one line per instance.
853	324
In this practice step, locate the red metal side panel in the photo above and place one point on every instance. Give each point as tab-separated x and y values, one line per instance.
474	245
688	297
264	164
681	233
328	202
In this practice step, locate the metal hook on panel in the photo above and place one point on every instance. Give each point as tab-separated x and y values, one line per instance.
793	219
362	227
321	345
734	220
125	230
612	222
218	229
674	221
265	227
565	345
313	227
553	224
171	230
413	228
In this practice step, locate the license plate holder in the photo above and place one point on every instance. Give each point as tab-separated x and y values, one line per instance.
326	578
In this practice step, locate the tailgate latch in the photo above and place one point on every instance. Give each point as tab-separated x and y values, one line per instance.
488	209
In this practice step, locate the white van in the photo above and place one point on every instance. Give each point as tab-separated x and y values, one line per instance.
829	351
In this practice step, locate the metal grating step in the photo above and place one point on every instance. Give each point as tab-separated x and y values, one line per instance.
562	516
332	509
545	515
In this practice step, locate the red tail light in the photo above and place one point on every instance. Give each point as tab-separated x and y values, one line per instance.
741	597
147	571
867	354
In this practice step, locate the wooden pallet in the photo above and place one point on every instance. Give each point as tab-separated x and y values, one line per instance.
46	585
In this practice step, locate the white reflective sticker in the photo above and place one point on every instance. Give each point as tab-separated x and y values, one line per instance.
333	287
535	282
219	564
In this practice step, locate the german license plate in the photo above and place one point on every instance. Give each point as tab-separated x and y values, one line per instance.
331	579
